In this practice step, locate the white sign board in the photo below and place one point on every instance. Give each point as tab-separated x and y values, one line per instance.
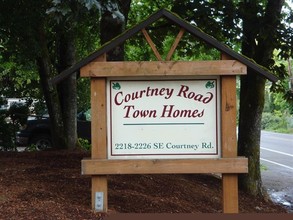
163	118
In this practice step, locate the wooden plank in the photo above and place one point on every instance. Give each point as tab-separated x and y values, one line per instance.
163	68
230	193
98	121
98	113
100	184
164	166
175	44
229	140
99	132
151	43
228	109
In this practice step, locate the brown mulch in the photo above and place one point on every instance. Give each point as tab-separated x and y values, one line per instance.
49	185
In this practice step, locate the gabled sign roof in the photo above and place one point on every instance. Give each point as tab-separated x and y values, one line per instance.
179	22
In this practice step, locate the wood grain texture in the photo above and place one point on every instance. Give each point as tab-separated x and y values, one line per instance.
99	134
151	43
164	166
163	68
229	140
175	44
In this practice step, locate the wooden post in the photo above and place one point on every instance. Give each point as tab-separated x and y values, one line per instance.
229	140
99	140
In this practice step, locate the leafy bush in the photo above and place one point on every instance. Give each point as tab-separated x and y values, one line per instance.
31	148
84	144
276	122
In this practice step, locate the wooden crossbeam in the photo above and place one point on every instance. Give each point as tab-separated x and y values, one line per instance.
175	44
152	45
164	166
163	68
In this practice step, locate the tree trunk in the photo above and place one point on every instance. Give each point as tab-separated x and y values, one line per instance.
67	89
125	7
259	37
50	94
113	23
251	107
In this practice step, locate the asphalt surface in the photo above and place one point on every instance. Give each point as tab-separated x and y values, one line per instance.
277	167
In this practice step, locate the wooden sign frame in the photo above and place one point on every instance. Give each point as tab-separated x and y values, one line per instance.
230	65
98	166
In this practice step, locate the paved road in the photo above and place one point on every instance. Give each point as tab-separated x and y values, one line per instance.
277	172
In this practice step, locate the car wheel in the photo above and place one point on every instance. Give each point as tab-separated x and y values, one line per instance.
42	141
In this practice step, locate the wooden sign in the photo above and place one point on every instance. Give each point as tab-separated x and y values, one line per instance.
162	117
186	123
172	118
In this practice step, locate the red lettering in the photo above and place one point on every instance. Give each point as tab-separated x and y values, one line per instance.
132	112
167	111
116	101
183	91
128	107
170	112
208	99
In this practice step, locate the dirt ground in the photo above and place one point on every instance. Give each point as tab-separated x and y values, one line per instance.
49	185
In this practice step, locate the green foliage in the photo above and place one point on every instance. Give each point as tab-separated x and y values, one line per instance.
84	144
263	167
141	9
277	122
18	80
163	35
278	109
276	102
31	51
137	48
31	148
80	18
